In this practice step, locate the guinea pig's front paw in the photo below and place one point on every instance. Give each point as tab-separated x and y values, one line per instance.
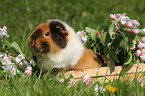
59	72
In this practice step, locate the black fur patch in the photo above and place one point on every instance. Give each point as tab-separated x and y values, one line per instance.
36	34
44	47
34	58
57	37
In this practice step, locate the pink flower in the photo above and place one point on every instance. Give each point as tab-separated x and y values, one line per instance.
61	80
27	72
135	23
128	24
140	45
111	16
86	80
143	39
134	31
29	68
5	28
138	53
117	15
142	51
133	47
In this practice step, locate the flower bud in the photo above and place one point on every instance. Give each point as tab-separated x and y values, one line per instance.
134	31
128	24
117	15
138	52
135	23
143	39
97	32
111	16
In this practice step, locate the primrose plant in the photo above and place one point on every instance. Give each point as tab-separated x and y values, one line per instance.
121	40
9	64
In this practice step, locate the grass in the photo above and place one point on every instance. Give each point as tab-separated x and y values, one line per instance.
21	16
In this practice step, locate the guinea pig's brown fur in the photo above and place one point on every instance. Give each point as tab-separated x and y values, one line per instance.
55	44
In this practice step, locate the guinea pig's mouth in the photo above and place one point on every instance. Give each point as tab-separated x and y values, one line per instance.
43	47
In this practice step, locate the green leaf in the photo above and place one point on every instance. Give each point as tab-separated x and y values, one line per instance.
17	47
110	29
141	32
130	35
90	30
8	44
88	43
106	51
129	58
114	56
103	38
94	35
116	41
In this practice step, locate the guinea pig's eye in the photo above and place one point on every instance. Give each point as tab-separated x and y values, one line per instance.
47	34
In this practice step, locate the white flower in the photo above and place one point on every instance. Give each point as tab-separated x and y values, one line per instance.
86	80
98	88
143	29
140	45
1	55
10	69
6	60
142	57
72	81
143	39
61	80
123	19
3	32
19	58
138	53
82	35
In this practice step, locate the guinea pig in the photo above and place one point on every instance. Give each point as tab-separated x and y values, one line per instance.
54	44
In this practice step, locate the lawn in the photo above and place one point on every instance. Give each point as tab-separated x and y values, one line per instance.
20	17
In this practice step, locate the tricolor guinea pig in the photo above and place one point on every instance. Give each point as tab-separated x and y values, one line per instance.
54	44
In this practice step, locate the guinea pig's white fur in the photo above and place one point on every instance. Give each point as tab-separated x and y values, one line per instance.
67	57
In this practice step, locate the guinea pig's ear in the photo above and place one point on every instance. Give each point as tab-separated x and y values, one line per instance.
65	33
